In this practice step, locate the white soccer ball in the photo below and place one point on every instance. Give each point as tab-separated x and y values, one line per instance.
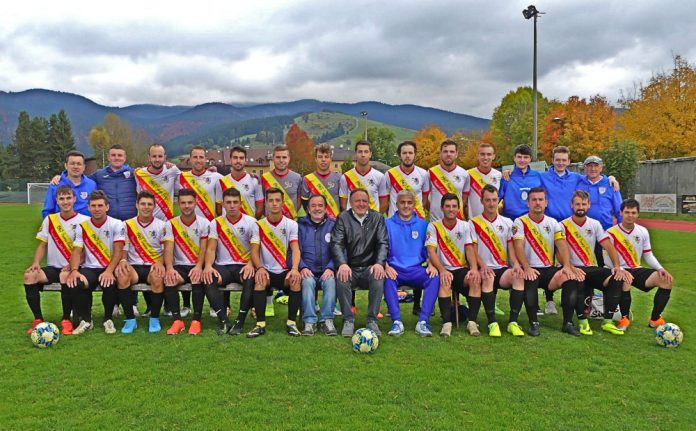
44	335
365	341
668	335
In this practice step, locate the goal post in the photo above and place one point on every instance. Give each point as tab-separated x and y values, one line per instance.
36	192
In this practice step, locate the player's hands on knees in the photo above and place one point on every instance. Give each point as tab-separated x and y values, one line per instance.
71	281
328	273
621	275
530	274
35	267
106	278
431	271
486	272
474	276
377	271
158	269
247	272
390	273
171	276
574	273
293	277
122	269
306	273
665	275
208	273
446	278
344	273
195	274
262	277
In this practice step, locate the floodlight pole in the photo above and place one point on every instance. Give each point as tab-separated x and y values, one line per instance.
532	12
364	115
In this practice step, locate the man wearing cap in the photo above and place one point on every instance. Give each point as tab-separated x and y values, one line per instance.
605	201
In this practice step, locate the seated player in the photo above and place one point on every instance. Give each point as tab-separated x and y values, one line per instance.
227	260
99	243
407	236
537	239
56	238
492	235
273	243
583	234
452	253
184	258
632	243
145	237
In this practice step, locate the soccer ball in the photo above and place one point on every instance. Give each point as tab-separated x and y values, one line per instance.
44	335
365	341
668	335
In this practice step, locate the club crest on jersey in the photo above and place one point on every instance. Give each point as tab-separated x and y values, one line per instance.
106	234
287	184
514	230
524	195
330	185
499	228
415	180
241	230
588	232
602	190
207	180
457	178
126	174
414	234
547	229
166	178
371	182
83	195
494	180
327	237
283	232
459	235
636	238
246	187
152	233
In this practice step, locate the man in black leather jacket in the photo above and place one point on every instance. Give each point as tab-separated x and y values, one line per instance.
359	247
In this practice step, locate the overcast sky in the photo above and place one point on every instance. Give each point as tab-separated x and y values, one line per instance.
462	56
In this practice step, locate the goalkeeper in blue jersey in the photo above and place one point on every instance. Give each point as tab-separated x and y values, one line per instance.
407	254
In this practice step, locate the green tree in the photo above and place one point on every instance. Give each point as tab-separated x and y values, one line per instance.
60	139
347	164
100	141
383	142
26	154
38	142
9	162
621	160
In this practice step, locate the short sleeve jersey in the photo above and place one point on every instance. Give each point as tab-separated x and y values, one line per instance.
630	245
372	181
207	188
450	243
145	243
233	239
458	178
59	234
582	240
248	186
325	185
275	240
416	181
477	180
98	241
187	239
290	182
539	239
162	185
492	239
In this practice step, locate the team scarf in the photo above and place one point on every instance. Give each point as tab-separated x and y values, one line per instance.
448	248
624	247
60	236
140	243
288	205
444	185
184	241
203	200
578	243
162	197
227	183
316	187
477	182
272	243
353	181
230	240
490	239
94	244
399	182
537	241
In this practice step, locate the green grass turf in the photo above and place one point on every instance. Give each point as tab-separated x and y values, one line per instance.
148	381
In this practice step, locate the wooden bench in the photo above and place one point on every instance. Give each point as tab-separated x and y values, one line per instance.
232	287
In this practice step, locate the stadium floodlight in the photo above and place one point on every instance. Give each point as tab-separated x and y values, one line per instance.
364	115
529	13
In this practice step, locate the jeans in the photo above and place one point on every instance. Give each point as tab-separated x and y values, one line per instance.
309	288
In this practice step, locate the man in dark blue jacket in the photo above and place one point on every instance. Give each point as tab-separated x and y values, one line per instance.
72	176
117	180
317	267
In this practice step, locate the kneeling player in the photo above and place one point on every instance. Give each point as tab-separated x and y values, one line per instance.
492	235
56	237
407	235
145	238
632	243
452	253
269	251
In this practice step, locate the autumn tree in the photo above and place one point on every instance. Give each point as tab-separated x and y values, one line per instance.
115	131
428	140
301	150
467	147
661	116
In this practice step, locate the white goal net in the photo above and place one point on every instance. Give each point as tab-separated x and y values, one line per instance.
36	192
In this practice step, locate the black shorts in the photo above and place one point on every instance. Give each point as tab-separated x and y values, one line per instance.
143	272
183	271
544	278
232	274
459	284
498	275
277	281
92	276
595	276
52	274
640	277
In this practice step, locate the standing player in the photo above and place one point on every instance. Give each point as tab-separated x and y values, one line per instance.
363	176
582	235
285	179
479	176
537	239
56	238
408	176
100	240
145	246
74	177
184	258
204	183
452	253
159	180
248	186
273	243
492	235
632	242
448	177
515	191
323	182
407	236
227	260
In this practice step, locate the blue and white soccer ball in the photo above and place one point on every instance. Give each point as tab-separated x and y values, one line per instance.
668	335
44	335
365	341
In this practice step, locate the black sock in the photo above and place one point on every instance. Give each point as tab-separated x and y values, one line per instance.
148	299
474	307
548	294
294	302
612	295
171	302
66	301
353	300
215	300
186	298
417	295
83	304
33	295
569	295
156	300
445	308
581	300
488	299
198	295
226	299
660	302
531	302
109	299
260	305
245	302
125	296
625	303
516	299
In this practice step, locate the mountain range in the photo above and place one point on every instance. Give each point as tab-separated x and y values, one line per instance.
184	123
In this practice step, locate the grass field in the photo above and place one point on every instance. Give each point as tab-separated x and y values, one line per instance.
146	381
